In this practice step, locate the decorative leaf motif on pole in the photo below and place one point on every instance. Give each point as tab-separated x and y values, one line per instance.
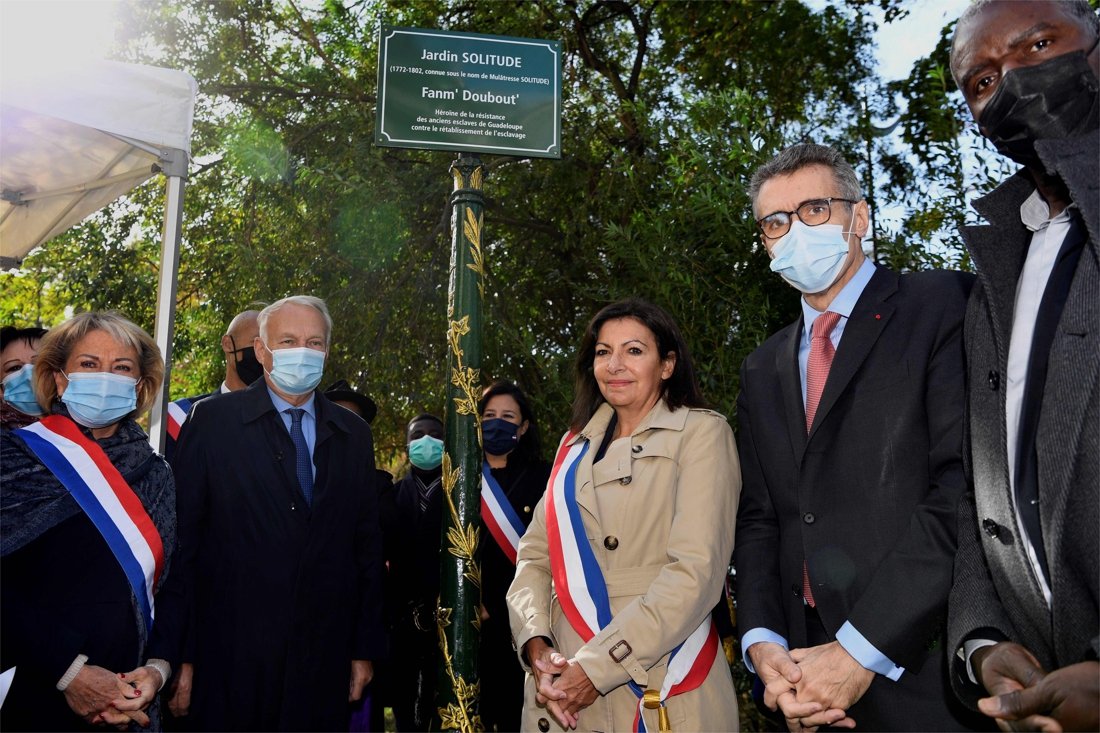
460	601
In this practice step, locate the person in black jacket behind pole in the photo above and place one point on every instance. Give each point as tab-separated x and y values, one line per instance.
412	514
510	437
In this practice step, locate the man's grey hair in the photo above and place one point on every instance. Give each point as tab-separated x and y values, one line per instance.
1078	8
797	157
306	300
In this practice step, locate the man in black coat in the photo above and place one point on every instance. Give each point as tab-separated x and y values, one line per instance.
852	467
1025	608
279	538
413	516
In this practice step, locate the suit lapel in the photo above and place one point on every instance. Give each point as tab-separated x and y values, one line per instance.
790	382
862	330
1073	367
998	252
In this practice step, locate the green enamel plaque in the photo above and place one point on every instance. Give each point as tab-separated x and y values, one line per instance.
442	90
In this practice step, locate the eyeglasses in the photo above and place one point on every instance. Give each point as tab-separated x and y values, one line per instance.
811	213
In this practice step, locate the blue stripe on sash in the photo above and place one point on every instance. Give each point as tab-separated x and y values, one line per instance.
502	500
60	467
593	575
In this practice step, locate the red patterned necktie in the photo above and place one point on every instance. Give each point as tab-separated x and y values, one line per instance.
817	372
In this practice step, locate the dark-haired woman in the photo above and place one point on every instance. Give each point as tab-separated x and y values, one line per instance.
627	552
18	404
513	485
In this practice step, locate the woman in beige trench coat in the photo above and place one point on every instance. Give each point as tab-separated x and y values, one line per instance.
657	491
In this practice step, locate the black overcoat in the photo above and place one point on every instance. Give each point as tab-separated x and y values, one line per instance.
285	595
868	498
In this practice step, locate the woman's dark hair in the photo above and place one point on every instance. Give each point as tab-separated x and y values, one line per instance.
530	444
679	390
11	334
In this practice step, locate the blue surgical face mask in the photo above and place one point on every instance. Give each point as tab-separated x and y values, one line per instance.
810	258
296	371
19	394
99	399
426	452
499	436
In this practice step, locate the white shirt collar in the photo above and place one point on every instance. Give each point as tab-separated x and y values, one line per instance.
224	388
1035	212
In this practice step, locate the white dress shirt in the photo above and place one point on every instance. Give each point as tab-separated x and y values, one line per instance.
1046	241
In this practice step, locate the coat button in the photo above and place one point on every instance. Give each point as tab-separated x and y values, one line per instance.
611	543
293	507
544	725
624	480
991	528
279	456
808	518
637	449
994	381
795	590
526	510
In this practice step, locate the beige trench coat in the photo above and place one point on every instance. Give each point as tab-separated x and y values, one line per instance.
659	510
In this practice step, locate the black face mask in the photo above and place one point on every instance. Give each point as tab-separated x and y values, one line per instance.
249	368
1053	100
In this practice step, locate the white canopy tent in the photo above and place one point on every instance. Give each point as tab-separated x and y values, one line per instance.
73	140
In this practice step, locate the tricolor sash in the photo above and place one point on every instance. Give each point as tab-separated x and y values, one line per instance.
177	413
86	471
498	515
582	591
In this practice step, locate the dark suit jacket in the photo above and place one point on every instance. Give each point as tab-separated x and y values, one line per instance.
285	594
869	497
994	586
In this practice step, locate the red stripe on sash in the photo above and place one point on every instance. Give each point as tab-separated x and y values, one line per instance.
130	502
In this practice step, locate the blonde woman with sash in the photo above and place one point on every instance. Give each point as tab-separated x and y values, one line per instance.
627	552
87	536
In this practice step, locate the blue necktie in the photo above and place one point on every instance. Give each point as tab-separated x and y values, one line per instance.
305	462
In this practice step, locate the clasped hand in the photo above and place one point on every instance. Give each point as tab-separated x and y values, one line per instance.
1024	697
103	697
561	685
812	687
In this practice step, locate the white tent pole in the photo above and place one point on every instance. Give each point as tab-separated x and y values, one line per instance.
174	163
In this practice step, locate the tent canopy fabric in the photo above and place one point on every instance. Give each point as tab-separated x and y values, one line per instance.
73	140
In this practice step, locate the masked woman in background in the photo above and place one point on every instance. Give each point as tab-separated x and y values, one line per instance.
513	481
18	347
87	534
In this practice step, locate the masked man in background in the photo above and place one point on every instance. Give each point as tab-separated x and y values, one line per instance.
241	370
413	515
279	539
1024	618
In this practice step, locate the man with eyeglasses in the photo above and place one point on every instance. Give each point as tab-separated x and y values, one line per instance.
850	425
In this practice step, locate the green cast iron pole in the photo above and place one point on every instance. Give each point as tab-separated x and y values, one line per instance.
459	614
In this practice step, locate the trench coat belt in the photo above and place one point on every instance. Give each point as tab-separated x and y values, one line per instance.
624	582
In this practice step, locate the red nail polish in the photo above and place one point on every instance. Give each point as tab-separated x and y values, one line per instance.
123	676
137	692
